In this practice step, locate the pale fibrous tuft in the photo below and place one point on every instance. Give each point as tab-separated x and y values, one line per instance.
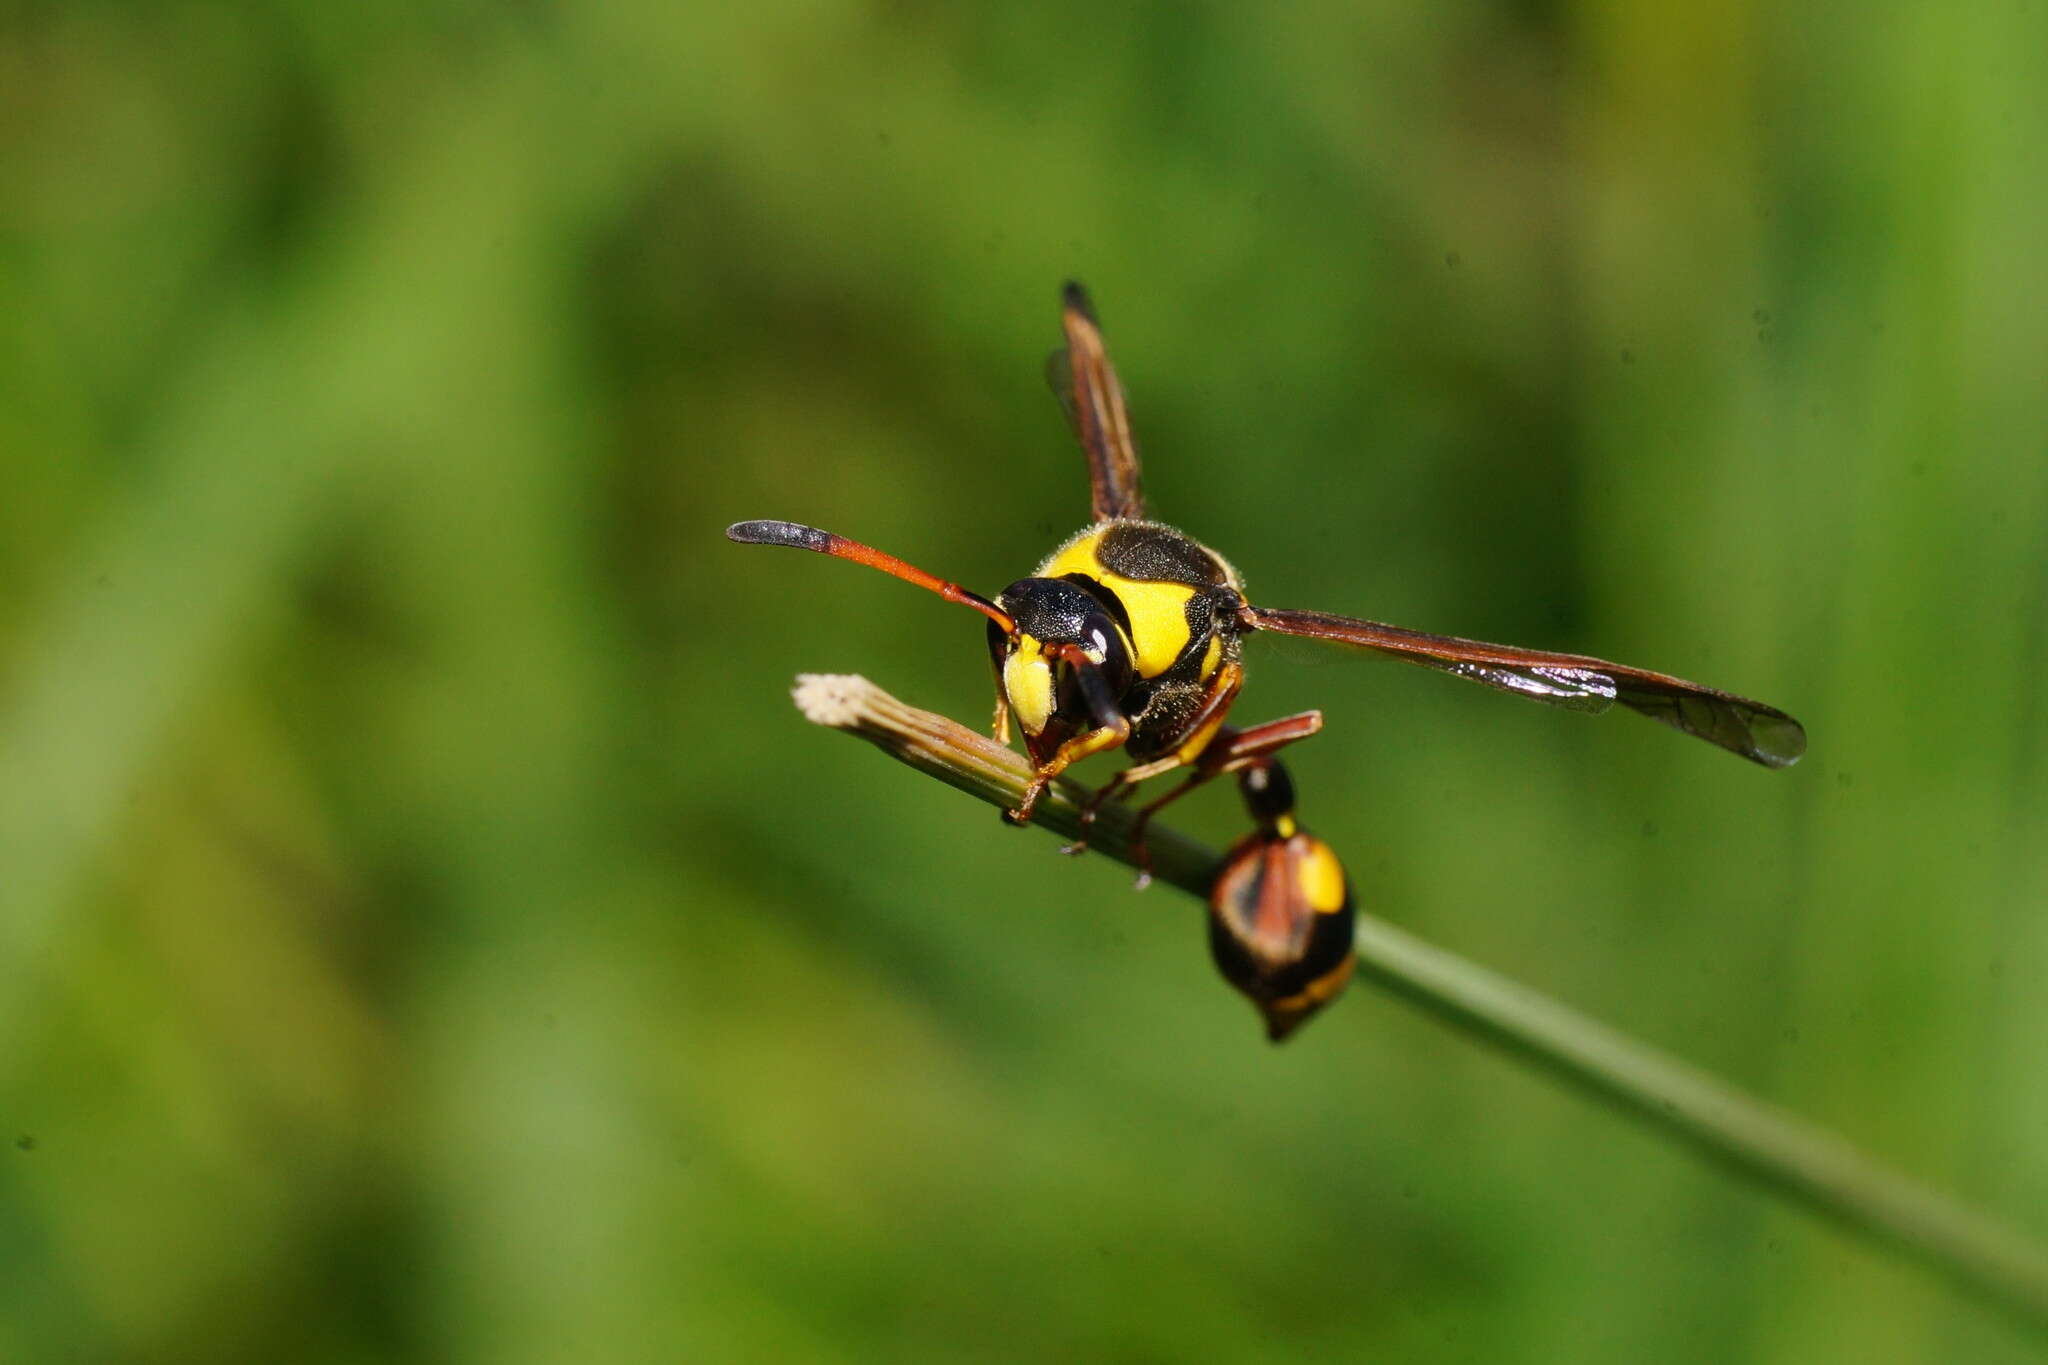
832	699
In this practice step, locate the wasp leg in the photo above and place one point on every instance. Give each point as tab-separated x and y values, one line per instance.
1201	730
1115	787
1073	751
1235	750
1112	789
1231	751
1001	728
1112	728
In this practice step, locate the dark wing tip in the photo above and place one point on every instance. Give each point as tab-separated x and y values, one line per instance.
1779	740
1762	734
1075	296
778	533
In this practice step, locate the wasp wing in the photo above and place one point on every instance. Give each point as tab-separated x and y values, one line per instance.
1086	385
1762	734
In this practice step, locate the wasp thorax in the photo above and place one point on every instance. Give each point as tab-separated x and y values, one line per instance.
1051	615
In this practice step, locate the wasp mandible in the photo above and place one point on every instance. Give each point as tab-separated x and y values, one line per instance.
1129	637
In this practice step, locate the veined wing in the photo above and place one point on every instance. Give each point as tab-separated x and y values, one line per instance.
1086	385
1762	734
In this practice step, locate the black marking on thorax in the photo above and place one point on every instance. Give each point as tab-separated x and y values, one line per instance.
1148	551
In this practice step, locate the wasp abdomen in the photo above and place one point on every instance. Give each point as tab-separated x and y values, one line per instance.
1280	911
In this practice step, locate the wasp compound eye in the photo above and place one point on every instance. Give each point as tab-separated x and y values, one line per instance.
1052	609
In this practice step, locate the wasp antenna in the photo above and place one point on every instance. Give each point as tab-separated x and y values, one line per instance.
780	533
798	537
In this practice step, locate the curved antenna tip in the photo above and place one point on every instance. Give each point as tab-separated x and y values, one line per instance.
778	533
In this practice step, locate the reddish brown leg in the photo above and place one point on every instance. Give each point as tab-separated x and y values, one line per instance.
1123	781
1112	728
1073	751
1215	706
1230	751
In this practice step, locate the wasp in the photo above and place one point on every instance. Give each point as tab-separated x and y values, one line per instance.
1129	637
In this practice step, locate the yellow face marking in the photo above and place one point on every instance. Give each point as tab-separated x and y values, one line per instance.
1158	611
1211	658
1321	877
1027	682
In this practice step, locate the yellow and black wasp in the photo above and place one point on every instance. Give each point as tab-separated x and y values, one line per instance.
1128	637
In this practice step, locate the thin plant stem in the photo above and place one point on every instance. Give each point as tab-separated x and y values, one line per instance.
1785	1154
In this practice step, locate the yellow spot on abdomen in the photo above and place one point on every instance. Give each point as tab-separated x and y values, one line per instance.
1321	877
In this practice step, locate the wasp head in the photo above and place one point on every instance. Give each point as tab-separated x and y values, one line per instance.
1042	690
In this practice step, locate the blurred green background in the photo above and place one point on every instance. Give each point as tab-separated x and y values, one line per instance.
429	933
